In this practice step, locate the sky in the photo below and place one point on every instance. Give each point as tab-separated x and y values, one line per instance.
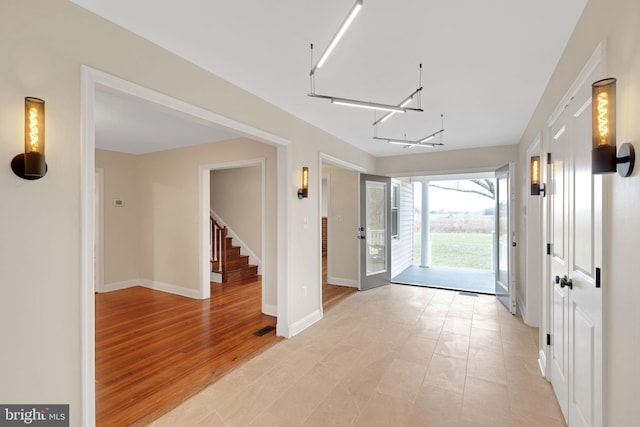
449	200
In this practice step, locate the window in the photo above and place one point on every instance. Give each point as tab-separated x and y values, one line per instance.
395	202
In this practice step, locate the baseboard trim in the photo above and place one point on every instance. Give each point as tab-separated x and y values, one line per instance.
522	308
542	363
338	281
270	310
116	286
171	289
305	322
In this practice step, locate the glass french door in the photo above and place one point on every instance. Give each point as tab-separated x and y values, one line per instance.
375	231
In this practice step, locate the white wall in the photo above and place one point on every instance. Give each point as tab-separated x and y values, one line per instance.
402	247
616	22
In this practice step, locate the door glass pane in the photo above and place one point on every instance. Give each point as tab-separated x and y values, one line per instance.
503	232
376	203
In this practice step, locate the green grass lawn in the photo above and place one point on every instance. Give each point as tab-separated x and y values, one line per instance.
465	250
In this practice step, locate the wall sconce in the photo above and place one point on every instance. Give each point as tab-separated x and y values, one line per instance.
536	186
304	191
604	158
31	164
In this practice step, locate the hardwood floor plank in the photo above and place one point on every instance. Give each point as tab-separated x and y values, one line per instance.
154	350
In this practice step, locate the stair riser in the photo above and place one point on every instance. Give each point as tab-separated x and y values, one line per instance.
236	275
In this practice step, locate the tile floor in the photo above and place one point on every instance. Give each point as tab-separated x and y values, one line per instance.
392	356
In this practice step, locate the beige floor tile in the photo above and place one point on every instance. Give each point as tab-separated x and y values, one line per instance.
534	396
486	403
429	326
522	418
447	373
453	345
391	356
301	399
402	380
487	365
435	407
384	411
339	408
457	325
417	349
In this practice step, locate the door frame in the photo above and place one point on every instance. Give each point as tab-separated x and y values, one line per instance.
90	80
531	311
205	205
324	158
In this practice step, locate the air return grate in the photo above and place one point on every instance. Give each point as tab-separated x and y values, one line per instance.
264	331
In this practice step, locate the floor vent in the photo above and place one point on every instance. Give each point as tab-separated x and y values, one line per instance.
469	294
264	331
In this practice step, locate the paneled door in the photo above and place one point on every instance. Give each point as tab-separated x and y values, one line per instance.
375	231
575	219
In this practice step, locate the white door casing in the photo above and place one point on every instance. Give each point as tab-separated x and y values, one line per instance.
505	241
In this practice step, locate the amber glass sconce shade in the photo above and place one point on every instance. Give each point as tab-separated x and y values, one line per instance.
31	164
604	155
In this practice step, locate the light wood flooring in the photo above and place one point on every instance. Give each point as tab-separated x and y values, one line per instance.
154	350
332	294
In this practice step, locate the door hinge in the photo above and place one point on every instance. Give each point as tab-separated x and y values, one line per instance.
548	158
598	274
548	339
548	248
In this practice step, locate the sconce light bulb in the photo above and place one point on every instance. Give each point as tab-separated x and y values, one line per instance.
535	178
603	117
33	129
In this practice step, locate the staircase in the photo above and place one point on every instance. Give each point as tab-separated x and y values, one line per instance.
226	258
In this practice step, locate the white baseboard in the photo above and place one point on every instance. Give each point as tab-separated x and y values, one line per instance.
270	310
172	289
216	277
542	363
305	322
338	281
116	286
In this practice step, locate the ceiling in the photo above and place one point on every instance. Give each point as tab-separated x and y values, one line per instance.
485	64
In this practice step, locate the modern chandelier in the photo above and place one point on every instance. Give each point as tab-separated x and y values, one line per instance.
389	109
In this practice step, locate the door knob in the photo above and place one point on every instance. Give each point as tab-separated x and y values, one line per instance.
565	281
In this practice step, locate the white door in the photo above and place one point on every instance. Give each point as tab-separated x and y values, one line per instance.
375	231
505	239
576	258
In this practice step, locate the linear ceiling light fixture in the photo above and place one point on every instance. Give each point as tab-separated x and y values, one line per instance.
409	143
338	35
391	109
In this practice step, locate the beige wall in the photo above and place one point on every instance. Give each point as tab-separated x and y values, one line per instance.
40	272
169	189
446	162
236	196
121	237
342	220
616	22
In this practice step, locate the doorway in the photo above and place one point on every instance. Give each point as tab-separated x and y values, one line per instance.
339	212
452	225
93	80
